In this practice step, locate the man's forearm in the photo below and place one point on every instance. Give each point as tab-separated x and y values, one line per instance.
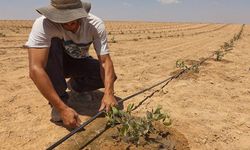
108	76
43	83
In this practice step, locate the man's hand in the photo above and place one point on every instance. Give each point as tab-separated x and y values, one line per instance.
107	102
70	118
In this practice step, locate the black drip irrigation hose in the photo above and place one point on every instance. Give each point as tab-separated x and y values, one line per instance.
127	98
101	112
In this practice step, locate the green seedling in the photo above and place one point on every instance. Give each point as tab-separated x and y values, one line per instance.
181	64
113	40
2	35
135	39
195	68
132	128
227	46
232	42
219	55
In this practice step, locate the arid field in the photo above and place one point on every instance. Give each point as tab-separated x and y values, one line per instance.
209	105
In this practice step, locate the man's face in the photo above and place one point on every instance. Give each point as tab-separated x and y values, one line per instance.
71	26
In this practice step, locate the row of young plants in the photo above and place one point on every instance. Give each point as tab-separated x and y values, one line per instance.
113	40
227	46
131	129
216	29
138	29
219	54
156	30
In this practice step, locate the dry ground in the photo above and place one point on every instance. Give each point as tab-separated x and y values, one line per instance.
211	108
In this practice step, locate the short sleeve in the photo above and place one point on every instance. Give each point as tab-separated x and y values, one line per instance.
100	40
41	34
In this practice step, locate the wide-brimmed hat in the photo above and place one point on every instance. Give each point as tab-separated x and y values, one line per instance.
63	11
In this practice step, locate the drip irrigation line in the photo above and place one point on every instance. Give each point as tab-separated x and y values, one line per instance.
81	127
101	112
172	35
127	98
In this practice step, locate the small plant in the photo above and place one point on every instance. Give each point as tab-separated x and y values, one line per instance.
235	38
227	46
113	40
195	68
232	42
181	64
219	55
131	129
135	39
2	35
149	37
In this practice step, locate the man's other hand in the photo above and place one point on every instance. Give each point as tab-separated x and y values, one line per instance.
107	102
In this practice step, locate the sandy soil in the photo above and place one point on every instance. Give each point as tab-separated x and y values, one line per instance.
211	108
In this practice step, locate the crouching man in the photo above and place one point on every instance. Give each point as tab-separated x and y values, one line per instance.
58	48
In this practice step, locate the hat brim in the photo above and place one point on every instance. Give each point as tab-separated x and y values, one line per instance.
64	15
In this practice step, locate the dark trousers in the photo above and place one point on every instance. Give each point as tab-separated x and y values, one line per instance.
84	73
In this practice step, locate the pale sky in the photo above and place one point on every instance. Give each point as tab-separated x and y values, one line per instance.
215	11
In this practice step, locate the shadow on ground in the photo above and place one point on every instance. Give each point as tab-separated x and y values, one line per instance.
88	104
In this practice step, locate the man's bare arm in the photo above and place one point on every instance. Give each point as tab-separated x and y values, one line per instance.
37	63
109	77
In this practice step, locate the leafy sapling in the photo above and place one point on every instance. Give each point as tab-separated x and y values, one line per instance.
131	128
113	40
219	55
181	64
